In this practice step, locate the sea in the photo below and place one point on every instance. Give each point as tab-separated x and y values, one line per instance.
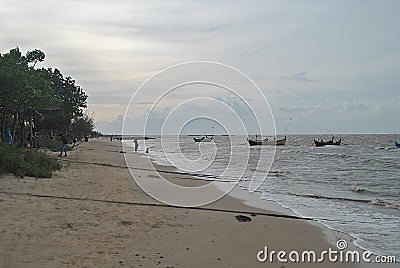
353	188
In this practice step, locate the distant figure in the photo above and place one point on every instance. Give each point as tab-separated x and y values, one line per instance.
111	137
27	143
35	143
86	138
8	137
74	142
147	150
136	145
64	145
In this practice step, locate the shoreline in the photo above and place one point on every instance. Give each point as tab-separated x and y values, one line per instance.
254	200
109	221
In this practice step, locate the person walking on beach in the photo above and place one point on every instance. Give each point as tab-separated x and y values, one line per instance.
136	145
64	145
74	142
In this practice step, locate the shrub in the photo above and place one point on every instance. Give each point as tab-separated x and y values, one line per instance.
52	145
27	162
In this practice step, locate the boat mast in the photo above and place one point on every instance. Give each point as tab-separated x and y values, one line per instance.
288	126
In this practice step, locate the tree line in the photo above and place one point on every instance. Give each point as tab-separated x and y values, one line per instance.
39	101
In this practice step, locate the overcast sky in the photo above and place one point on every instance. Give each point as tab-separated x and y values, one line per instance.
330	65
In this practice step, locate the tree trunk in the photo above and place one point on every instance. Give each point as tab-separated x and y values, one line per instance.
30	129
3	124
22	128
14	125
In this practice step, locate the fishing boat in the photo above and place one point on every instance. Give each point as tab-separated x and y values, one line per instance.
203	139
397	144
266	141
320	143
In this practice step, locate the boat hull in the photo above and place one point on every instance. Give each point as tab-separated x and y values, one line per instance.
325	143
274	143
397	144
203	139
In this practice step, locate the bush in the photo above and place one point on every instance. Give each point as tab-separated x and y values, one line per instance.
27	162
52	145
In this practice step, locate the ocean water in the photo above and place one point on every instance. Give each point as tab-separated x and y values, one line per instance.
353	188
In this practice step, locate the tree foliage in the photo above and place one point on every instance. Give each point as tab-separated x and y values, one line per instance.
82	126
38	100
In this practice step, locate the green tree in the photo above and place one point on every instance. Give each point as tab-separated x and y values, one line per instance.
72	101
35	56
39	98
82	126
13	68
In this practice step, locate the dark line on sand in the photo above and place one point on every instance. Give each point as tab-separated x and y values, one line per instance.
146	169
202	208
219	180
160	205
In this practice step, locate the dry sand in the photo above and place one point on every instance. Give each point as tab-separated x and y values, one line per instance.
92	214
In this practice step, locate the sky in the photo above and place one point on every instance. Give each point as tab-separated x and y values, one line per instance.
331	66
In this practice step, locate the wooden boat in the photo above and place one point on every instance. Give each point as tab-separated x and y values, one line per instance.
203	139
320	143
397	144
267	141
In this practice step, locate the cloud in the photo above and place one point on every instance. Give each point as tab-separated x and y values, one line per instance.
300	109
282	91
144	103
354	107
106	111
299	77
347	58
111	127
